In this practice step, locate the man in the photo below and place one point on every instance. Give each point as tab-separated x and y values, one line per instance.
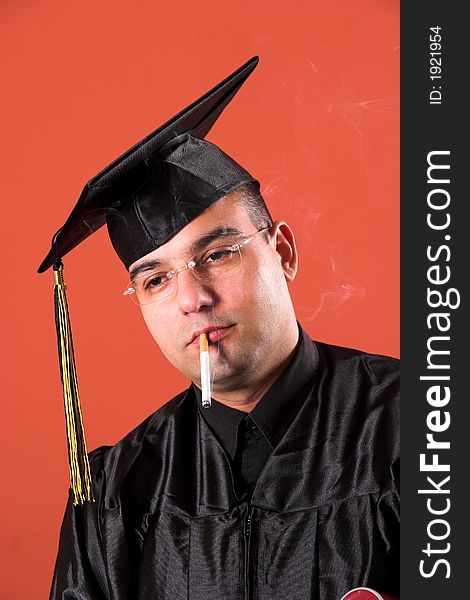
286	486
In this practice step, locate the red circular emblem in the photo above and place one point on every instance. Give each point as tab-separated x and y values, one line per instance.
362	594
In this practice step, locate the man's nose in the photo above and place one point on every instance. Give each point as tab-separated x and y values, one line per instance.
193	293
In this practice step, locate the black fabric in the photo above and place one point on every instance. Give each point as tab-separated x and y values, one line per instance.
323	517
253	450
155	188
250	438
223	421
246	446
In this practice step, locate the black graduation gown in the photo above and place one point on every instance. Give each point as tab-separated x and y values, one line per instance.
323	517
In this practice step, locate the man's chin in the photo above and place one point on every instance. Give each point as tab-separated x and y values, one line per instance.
229	378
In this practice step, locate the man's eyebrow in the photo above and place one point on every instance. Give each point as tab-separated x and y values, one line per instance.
211	236
147	265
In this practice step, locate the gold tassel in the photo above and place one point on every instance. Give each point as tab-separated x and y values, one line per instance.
80	476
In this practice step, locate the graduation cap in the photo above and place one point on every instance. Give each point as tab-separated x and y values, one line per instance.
145	197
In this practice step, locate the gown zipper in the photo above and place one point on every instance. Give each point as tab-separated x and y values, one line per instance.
247	534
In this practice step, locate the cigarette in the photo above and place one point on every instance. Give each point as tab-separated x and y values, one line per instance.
205	370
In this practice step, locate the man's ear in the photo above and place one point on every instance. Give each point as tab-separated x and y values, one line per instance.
283	239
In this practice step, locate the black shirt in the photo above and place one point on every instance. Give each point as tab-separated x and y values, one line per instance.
249	438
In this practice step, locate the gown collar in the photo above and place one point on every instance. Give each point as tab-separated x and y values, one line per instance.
277	408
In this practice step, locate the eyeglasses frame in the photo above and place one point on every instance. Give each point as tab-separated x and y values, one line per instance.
190	265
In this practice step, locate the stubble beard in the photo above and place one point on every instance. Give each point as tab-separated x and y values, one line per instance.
233	369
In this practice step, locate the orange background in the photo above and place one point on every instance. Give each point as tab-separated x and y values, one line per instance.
317	123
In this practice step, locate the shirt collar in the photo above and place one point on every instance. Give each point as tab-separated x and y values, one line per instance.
277	408
223	420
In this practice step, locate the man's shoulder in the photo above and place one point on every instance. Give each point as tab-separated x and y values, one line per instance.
150	431
359	393
359	381
375	366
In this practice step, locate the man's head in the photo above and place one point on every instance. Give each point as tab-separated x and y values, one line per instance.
248	308
163	201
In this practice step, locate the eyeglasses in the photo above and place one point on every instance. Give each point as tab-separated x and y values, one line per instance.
207	265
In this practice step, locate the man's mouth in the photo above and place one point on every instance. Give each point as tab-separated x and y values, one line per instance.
214	333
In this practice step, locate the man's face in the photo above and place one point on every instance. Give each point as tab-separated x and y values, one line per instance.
245	310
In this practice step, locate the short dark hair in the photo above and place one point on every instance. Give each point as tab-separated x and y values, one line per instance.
253	202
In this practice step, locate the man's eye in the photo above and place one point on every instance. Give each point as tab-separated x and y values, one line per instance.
156	281
218	255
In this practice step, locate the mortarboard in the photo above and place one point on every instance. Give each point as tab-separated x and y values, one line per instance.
145	197
159	185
